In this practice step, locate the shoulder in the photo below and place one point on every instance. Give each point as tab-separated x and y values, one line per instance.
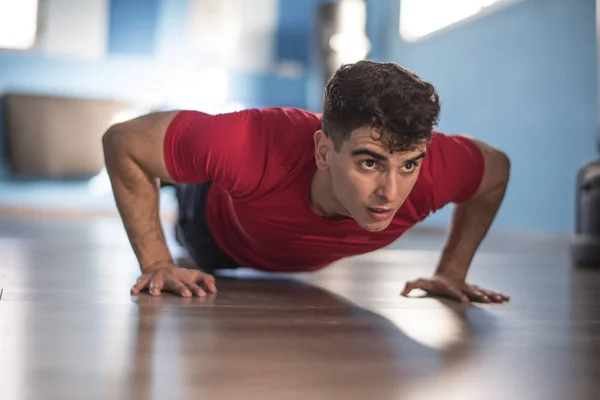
449	154
451	171
252	123
290	133
294	119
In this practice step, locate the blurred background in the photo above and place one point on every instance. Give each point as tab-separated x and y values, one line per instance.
519	74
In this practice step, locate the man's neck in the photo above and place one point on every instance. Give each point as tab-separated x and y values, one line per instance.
322	200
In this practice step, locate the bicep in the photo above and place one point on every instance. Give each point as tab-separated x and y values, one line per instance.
457	166
192	147
141	140
496	168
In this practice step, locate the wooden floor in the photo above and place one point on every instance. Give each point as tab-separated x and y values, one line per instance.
70	330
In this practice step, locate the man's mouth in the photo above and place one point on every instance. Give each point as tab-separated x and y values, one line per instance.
380	214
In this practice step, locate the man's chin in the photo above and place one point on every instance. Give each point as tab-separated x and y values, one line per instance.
375	226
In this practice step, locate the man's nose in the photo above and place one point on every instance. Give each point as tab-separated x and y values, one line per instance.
389	187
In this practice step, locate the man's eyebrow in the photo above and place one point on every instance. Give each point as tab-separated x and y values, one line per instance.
417	158
371	153
381	157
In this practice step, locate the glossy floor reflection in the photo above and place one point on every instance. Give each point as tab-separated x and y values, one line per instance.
70	330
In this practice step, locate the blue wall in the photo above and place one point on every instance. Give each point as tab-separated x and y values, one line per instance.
523	79
136	59
132	27
146	40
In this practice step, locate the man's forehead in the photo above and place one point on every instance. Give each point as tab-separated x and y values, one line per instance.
385	142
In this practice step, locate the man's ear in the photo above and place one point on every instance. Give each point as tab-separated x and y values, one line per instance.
323	149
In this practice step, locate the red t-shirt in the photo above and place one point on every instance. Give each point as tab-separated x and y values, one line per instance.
261	163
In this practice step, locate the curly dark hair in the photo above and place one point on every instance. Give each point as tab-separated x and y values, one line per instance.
392	100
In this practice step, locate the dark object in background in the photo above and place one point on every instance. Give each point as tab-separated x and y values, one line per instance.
585	247
341	36
54	137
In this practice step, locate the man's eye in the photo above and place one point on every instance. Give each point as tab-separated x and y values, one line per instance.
369	165
409	166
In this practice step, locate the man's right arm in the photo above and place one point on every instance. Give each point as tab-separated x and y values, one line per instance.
135	162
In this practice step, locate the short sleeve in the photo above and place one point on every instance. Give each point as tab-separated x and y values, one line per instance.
227	149
456	166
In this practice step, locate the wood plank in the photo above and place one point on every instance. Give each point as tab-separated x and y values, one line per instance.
70	329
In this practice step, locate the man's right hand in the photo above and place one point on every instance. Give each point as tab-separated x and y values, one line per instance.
180	281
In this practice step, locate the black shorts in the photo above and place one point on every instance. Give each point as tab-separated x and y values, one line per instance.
192	231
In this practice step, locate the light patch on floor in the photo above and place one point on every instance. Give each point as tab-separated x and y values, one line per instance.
89	198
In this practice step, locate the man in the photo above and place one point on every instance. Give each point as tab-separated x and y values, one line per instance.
282	189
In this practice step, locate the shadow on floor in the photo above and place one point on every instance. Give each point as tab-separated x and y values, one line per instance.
279	335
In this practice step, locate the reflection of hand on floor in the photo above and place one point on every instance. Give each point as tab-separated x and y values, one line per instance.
158	301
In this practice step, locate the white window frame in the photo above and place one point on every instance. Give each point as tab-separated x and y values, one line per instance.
440	15
13	18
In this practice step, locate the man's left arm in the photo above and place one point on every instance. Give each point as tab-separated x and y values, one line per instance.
471	220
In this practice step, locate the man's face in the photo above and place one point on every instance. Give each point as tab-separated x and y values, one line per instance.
369	182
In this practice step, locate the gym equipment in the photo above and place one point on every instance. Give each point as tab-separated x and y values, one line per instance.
341	35
585	246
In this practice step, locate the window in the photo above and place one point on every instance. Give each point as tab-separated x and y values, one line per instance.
419	18
18	24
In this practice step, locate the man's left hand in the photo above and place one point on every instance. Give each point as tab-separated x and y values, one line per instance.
443	286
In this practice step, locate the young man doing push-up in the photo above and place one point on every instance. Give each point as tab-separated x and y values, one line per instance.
283	189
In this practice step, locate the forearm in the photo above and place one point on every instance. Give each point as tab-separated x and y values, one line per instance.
137	198
472	219
470	223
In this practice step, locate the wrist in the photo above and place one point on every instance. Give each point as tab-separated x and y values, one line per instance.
454	263
153	256
454	271
157	265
